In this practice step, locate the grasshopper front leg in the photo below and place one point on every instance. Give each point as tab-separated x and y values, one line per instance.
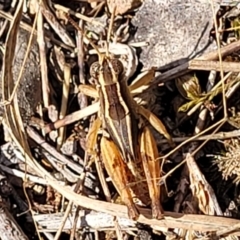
149	154
118	172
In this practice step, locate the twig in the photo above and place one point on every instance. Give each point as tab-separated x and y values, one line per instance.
53	21
184	68
38	139
91	183
217	34
214	65
3	27
64	219
193	138
23	175
73	117
78	15
91	219
48	235
75	221
229	93
62	168
78	189
12	112
228	230
64	103
43	60
82	98
216	136
9	230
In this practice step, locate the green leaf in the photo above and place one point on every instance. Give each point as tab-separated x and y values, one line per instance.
185	107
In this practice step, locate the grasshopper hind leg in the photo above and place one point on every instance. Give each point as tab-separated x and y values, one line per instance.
117	170
149	154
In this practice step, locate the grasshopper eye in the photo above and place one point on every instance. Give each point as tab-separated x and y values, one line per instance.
94	70
117	66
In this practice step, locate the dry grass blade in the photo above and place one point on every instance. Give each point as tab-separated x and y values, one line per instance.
58	28
7	77
217	34
13	117
64	103
73	117
214	65
78	15
216	136
42	52
82	98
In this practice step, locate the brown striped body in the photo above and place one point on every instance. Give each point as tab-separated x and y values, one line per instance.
117	109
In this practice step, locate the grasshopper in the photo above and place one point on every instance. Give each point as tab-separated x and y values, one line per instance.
127	146
128	149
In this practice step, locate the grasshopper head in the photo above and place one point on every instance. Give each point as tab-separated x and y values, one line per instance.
107	71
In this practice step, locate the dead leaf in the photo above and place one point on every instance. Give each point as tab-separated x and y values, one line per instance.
207	201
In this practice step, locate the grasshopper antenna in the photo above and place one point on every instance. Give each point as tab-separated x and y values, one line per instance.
110	30
79	29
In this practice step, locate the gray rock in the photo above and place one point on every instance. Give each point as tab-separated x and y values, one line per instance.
29	91
175	29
